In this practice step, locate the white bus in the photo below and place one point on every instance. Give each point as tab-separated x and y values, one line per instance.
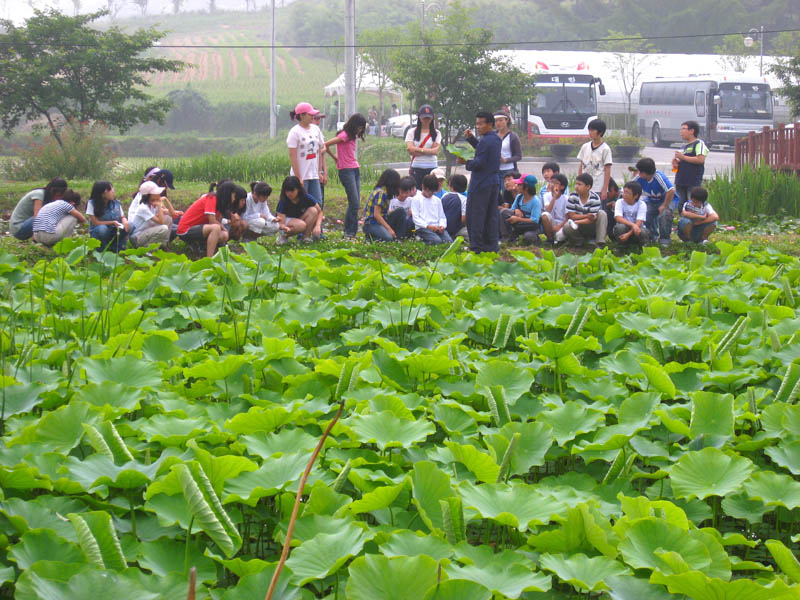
726	107
564	104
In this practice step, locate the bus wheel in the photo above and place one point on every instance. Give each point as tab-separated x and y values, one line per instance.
656	136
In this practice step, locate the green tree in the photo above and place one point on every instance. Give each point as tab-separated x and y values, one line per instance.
377	59
58	69
788	73
734	55
457	80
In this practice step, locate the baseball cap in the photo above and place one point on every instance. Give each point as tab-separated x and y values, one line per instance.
438	173
305	107
529	180
167	176
425	111
150	187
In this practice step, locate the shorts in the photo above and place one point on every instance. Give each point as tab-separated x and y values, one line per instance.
193	234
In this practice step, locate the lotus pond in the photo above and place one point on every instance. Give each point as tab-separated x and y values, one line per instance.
554	427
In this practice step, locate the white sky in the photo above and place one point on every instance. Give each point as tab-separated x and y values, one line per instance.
19	10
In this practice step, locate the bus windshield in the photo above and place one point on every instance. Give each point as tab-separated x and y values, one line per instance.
745	101
564	100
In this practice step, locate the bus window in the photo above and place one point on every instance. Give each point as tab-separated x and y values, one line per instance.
700	103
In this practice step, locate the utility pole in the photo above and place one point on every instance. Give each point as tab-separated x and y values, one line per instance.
350	57
273	92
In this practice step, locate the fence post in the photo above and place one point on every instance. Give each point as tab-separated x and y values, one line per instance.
780	159
751	148
794	148
765	146
737	156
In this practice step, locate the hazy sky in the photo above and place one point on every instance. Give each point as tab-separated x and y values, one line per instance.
19	10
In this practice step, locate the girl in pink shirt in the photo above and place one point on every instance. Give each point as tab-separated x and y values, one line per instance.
347	164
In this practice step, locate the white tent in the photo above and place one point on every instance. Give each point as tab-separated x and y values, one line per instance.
365	82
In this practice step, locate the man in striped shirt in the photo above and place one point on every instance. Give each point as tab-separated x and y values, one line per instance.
585	217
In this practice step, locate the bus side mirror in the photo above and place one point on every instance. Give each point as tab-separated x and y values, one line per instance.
602	89
716	99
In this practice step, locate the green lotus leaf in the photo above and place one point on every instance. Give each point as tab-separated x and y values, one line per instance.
172	430
380	497
169	556
42	513
404	542
571	420
97	470
324	500
677	334
146	374
784	559
518	504
581	572
255	585
258	419
773	489
89	583
429	485
699	586
98	539
297	315
59	430
388	431
400	578
115	398
658	378
325	554
625	587
19	399
786	454
277	443
44	544
508	573
274	475
216	369
712	414
514	379
458	589
534	442
572	345
454	419
479	463
709	472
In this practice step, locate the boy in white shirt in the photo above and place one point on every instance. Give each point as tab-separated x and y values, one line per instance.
698	218
595	159
428	214
630	214
555	211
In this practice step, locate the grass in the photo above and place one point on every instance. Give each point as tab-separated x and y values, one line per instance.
755	191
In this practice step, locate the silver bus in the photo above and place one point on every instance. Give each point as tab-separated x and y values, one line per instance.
726	107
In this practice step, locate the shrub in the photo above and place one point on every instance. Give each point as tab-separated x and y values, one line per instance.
754	191
85	154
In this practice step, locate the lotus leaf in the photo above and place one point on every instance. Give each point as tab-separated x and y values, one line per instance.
571	420
43	545
709	472
458	589
325	554
581	572
408	543
430	485
517	505
388	431
699	586
507	573
773	489
373	576
712	414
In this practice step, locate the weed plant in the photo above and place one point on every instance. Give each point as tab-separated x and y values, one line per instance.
754	191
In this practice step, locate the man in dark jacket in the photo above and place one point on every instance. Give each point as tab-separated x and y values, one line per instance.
484	185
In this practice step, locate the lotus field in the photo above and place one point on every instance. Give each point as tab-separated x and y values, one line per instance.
553	427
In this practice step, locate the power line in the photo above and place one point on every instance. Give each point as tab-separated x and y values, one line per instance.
416	44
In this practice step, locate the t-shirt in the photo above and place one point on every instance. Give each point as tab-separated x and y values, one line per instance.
143	215
295	210
377	202
655	190
397	203
454	206
24	209
531	210
198	211
703	211
594	161
690	174
134	206
308	143
559	212
346	152
255	210
50	214
427	211
631	212
425	161
592	206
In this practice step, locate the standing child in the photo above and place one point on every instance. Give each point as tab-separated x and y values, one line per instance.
595	159
429	218
305	146
698	219
630	213
257	216
150	224
106	219
346	162
57	219
585	217
555	211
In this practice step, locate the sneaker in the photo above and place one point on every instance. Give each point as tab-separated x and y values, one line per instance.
704	242
282	239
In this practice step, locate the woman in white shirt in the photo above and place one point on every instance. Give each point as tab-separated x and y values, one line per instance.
306	150
422	143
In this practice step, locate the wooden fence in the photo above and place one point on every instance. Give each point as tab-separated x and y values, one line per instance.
778	148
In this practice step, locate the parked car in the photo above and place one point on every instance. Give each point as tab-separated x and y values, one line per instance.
397	126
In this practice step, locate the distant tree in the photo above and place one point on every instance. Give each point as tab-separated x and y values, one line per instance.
85	76
212	6
457	80
785	43
734	55
628	64
142	4
177	5
76	4
787	71
377	59
191	110
113	7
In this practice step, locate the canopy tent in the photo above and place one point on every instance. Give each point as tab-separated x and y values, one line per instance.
365	82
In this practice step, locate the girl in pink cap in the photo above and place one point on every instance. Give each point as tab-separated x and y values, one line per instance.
306	150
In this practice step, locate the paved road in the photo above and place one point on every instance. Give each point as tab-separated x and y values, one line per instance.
718	161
